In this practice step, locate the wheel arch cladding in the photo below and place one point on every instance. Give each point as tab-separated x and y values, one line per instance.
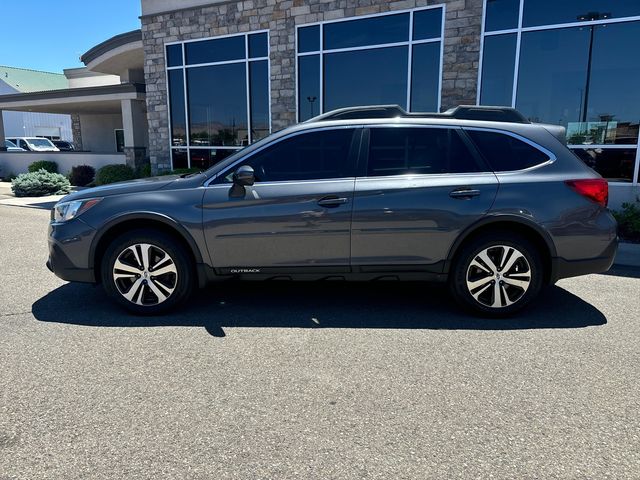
541	240
144	222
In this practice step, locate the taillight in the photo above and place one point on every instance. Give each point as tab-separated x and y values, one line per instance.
596	189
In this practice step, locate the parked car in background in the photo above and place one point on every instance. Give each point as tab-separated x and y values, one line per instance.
11	147
478	197
34	144
64	146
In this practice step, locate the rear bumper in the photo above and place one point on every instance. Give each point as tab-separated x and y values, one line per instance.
561	268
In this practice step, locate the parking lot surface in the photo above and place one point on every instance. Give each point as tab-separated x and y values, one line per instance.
323	381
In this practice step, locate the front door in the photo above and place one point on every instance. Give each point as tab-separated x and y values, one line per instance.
421	187
297	215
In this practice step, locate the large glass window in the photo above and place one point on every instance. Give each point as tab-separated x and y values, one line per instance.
218	93
308	156
571	65
371	60
401	151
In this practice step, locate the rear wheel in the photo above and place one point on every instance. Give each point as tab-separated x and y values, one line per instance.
497	274
147	272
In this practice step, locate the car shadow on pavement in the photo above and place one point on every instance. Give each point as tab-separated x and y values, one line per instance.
377	305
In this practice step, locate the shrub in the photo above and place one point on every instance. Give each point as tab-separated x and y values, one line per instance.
40	183
51	167
82	175
144	171
114	173
181	171
629	222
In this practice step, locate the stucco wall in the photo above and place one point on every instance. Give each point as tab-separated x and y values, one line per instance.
461	48
18	162
97	132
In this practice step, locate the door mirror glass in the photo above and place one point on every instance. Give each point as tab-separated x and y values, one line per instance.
244	176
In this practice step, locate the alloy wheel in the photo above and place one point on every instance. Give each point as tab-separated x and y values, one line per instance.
498	276
145	274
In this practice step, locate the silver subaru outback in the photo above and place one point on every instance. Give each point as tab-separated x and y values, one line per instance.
478	197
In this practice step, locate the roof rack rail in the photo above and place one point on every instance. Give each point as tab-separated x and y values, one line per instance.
462	112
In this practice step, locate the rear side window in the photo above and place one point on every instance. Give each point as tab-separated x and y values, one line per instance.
505	153
401	150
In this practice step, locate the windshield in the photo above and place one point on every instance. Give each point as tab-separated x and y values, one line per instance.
39	142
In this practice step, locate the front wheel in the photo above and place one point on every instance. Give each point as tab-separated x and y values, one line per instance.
497	275
147	272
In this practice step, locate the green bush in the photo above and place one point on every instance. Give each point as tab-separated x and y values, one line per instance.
39	184
51	167
181	171
629	222
82	175
114	173
144	171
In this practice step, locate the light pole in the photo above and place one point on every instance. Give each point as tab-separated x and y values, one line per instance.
590	17
311	100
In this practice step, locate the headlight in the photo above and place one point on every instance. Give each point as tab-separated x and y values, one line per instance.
65	211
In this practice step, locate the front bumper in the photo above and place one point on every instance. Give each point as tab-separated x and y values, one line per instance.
69	251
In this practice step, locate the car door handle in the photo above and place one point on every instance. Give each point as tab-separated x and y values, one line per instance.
463	193
332	202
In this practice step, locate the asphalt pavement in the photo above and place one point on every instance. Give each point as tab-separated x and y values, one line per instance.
318	381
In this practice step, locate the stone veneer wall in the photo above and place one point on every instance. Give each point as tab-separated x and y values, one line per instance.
461	49
76	130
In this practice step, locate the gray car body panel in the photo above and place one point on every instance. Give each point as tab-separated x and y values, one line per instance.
386	223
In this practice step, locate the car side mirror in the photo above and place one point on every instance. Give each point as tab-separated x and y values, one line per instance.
244	176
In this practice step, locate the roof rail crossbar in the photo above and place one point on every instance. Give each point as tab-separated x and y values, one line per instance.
462	112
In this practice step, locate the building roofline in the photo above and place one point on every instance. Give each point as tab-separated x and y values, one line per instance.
111	44
73	92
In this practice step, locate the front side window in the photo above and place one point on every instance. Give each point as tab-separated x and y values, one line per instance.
392	58
504	153
401	151
308	156
218	93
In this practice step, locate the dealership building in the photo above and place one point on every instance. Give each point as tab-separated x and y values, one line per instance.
204	78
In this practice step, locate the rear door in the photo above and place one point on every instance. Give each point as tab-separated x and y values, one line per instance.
417	190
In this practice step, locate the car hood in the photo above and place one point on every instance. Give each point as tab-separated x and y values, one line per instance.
133	186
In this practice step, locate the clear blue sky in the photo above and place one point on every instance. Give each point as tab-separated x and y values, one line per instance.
51	35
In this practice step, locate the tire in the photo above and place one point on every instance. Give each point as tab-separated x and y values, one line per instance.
128	278
496	274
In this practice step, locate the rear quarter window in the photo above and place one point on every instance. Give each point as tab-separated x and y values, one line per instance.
505	153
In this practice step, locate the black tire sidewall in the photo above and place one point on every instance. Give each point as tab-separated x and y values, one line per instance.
183	264
457	279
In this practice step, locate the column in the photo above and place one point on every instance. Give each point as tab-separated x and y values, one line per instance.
134	123
2	147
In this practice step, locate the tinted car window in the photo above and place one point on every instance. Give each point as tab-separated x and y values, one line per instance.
308	156
505	153
398	151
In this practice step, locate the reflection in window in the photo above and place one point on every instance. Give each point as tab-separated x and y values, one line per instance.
551	12
216	50
205	158
356	78
616	165
174	55
217	105
176	99
425	77
369	31
309	156
400	151
552	75
505	153
227	104
179	158
498	63
371	60
502	15
308	87
259	96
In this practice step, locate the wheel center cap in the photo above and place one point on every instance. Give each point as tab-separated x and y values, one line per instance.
498	276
